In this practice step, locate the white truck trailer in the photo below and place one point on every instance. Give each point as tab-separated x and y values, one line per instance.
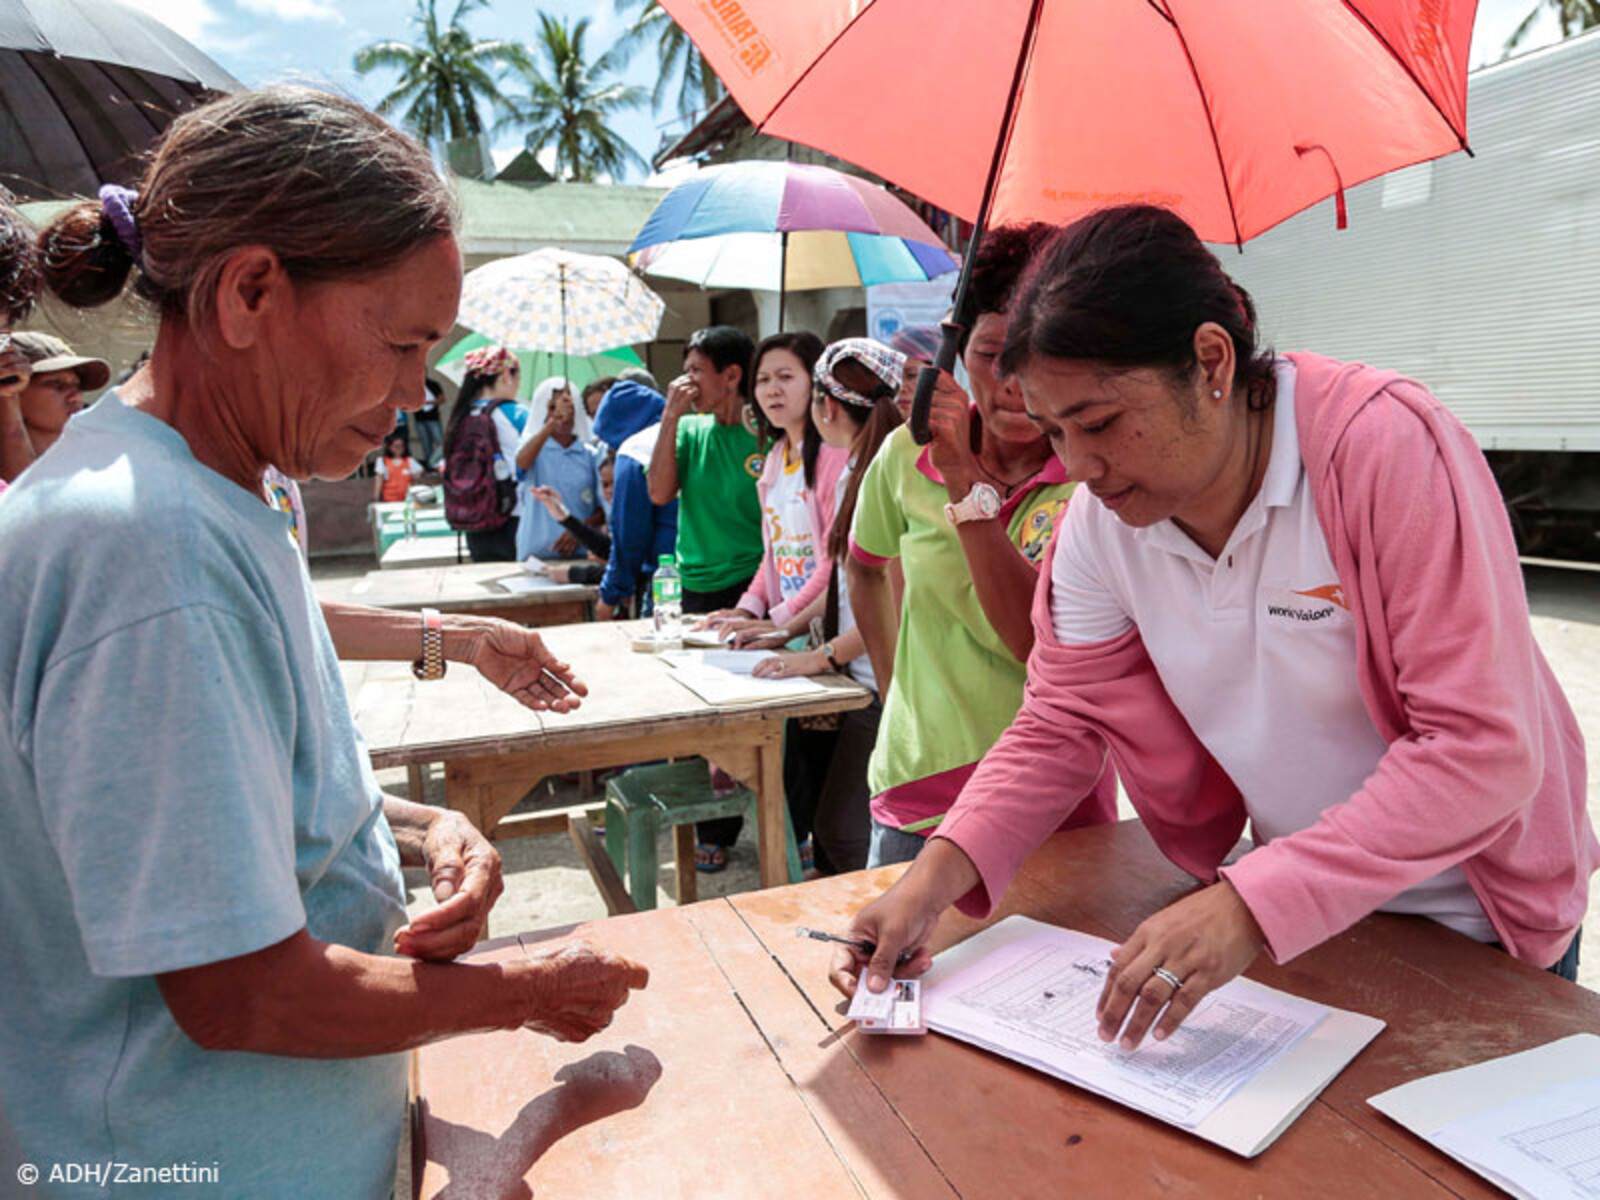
1480	277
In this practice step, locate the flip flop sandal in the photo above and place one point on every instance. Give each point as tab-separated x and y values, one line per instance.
709	859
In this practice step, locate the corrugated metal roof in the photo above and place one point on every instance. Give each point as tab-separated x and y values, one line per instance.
564	213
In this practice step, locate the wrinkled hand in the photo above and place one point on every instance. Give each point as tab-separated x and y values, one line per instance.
558	573
517	662
950	421
464	870
683	396
789	665
551	499
566	546
900	924
577	989
1205	939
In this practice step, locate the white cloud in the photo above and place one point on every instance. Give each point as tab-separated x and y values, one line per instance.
190	19
294	10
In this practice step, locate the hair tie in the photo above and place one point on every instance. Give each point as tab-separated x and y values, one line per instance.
117	203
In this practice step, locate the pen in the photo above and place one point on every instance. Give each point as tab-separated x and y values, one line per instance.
866	946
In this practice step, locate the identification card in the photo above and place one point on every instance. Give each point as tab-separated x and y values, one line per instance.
896	1009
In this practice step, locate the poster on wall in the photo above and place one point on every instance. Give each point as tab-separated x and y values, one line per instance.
890	306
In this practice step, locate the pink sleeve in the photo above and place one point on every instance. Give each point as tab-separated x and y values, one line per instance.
866	556
1426	557
754	601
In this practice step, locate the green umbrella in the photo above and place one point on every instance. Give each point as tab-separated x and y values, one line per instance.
538	365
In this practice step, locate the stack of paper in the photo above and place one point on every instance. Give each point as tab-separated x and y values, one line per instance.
724	676
1240	1069
1528	1123
526	583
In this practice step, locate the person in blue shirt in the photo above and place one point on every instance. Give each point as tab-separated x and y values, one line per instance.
207	957
552	456
627	421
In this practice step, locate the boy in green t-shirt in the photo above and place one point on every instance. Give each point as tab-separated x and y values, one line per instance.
707	457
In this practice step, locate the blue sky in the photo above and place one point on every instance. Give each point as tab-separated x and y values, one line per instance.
269	41
266	41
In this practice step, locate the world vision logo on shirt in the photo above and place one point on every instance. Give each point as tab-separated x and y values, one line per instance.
754	464
1037	527
1328	591
1310	606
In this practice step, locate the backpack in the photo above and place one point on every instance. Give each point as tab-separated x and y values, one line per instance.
476	500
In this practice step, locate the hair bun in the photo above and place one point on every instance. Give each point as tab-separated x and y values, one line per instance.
82	259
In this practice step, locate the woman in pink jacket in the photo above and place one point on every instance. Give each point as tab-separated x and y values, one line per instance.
1294	600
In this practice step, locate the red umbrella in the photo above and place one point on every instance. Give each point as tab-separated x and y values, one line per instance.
1235	113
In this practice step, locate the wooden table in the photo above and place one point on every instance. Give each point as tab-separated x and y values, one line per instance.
468	588
494	750
735	1074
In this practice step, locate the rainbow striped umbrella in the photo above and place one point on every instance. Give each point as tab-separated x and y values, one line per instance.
785	226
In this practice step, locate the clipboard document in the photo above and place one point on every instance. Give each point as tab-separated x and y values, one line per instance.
1242	1066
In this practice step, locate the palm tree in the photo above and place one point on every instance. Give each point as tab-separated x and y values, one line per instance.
679	58
1574	16
571	102
445	76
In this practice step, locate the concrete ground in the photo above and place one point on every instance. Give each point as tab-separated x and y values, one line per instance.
547	885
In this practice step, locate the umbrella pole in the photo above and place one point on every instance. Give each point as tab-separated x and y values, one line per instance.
783	276
564	365
960	318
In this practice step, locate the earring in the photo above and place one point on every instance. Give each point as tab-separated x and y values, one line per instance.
1216	393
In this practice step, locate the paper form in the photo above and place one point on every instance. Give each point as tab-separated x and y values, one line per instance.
1034	1000
723	677
1546	1144
736	662
1528	1122
522	585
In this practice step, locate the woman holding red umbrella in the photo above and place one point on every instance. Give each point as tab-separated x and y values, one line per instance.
1294	599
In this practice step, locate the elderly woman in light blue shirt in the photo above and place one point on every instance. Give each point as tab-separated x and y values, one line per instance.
202	897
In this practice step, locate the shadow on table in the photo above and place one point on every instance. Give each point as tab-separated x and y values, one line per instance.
484	1167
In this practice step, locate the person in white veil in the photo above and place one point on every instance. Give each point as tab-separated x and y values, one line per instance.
554	455
539	408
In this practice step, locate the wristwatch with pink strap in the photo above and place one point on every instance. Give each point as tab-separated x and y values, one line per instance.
982	503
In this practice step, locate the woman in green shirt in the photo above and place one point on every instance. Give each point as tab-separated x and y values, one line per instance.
968	517
707	458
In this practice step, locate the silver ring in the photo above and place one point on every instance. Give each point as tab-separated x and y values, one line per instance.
1167	976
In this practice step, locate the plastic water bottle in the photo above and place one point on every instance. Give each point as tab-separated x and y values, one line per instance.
410	516
666	591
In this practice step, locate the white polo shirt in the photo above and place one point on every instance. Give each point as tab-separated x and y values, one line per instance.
1255	647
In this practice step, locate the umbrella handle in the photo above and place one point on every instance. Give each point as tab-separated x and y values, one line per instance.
927	377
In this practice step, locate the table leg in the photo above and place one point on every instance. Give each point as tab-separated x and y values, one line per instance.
771	814
417	783
686	888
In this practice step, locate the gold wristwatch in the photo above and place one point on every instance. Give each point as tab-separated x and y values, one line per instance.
431	664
